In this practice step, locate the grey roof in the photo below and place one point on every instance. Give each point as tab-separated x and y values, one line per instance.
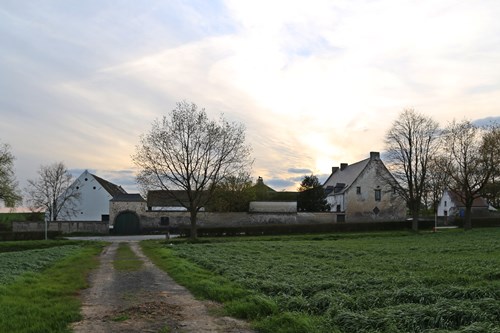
163	198
479	202
111	188
341	180
133	197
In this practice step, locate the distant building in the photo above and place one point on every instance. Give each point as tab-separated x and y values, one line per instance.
93	203
451	206
362	192
173	201
267	200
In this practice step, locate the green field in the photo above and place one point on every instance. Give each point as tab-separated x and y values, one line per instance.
374	282
40	281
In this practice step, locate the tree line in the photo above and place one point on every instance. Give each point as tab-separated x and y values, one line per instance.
426	159
209	162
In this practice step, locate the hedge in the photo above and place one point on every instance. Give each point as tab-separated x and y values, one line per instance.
30	235
284	229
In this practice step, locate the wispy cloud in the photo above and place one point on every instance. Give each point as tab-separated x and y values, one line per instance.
315	83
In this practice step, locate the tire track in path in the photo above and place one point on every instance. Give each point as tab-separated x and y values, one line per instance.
146	300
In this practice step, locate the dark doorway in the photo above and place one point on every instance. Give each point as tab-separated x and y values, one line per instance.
127	223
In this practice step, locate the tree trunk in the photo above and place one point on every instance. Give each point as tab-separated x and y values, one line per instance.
468	218
194	229
414	221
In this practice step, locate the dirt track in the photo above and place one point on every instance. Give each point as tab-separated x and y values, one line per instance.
147	300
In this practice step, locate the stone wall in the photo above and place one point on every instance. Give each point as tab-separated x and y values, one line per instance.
273	207
152	219
65	227
115	207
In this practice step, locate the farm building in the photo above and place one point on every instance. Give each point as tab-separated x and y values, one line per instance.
93	203
361	192
451	206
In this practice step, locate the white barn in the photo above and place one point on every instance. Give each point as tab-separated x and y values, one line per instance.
93	203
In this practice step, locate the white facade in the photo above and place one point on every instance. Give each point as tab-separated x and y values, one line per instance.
446	206
93	203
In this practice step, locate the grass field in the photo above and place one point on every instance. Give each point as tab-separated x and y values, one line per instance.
39	284
375	282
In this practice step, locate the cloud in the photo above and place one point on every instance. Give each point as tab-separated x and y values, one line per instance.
280	184
487	121
300	171
315	83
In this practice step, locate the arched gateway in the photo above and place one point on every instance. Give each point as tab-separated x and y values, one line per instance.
127	223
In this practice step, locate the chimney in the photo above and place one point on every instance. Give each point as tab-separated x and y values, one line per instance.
374	155
343	166
260	180
335	169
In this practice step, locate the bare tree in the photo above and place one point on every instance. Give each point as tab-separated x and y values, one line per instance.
53	192
473	155
189	152
436	182
8	184
411	142
492	189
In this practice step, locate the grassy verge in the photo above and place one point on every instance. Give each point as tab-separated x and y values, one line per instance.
47	301
374	282
126	259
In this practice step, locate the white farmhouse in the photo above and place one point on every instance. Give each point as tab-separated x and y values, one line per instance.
362	192
451	206
93	203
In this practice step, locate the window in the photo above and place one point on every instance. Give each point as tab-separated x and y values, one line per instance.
445	203
358	190
378	195
338	208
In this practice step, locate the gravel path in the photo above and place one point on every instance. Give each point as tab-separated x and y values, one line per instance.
147	300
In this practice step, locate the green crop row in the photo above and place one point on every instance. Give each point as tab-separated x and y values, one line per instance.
44	301
14	264
439	282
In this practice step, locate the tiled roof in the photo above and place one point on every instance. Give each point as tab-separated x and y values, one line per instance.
111	188
162	198
341	180
478	202
134	197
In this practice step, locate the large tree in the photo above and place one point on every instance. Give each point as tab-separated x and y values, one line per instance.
473	155
233	194
52	191
436	182
311	196
189	152
411	142
8	184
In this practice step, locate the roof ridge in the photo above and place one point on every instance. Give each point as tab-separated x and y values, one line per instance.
110	187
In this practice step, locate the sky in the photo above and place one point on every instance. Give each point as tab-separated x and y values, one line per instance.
316	83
